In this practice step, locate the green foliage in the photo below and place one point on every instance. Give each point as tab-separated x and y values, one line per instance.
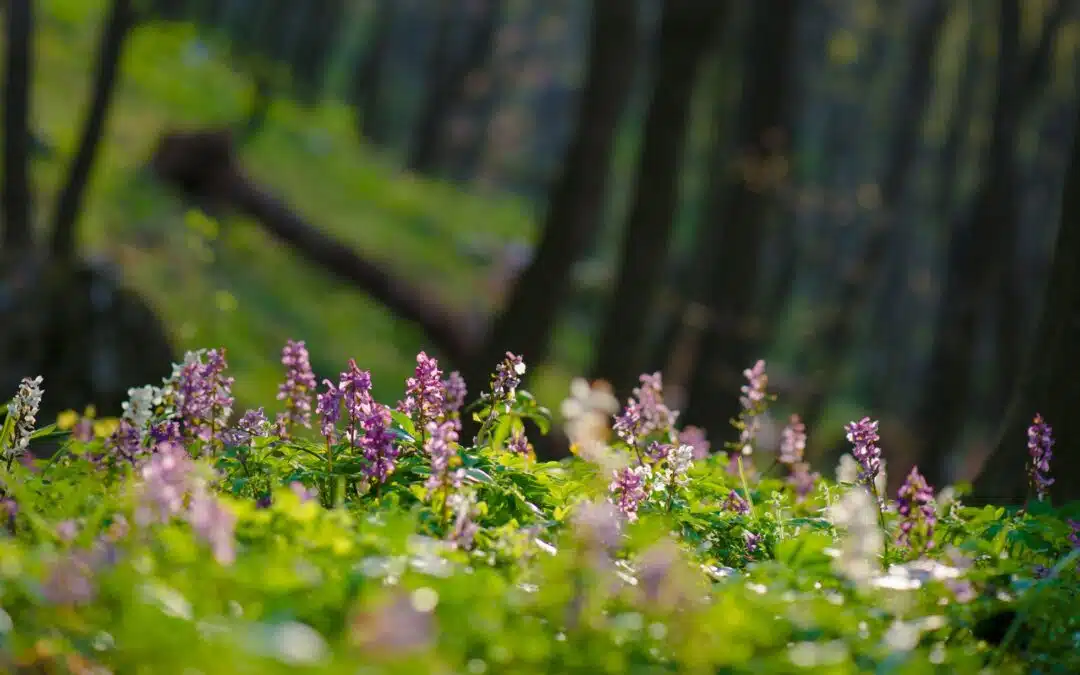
377	577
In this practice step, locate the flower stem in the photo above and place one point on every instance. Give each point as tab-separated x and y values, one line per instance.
745	485
881	517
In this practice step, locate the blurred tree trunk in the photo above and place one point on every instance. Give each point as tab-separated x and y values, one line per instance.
367	83
118	26
437	88
576	204
737	214
856	295
17	211
447	86
687	27
1048	382
981	255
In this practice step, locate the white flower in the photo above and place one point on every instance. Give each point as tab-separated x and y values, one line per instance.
23	411
861	543
847	469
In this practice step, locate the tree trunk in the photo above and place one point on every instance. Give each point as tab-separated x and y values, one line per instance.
856	292
17	211
980	259
577	198
367	84
737	215
118	25
202	165
1048	384
447	84
686	29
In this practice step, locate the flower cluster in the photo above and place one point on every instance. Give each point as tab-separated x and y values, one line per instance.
425	393
507	377
368	423
695	438
296	390
22	411
915	504
439	445
792	442
754	402
863	435
463	507
802	480
629	488
646	414
251	425
172	487
1040	448
203	395
736	503
518	443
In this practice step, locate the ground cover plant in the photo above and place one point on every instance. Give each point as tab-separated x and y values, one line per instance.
330	532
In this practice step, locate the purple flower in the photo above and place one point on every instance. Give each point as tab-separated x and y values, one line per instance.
1074	536
753	392
645	413
303	492
802	480
918	516
736	503
9	509
355	388
328	407
753	541
125	442
465	529
83	431
598	523
424	392
1040	447
377	444
439	446
166	431
214	524
166	478
792	442
695	438
628	489
296	390
253	424
67	530
506	380
70	580
518	443
753	404
863	436
203	395
456	391
23	411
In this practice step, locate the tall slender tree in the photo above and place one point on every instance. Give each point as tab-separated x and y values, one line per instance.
575	205
367	82
447	86
686	29
980	255
736	217
17	197
856	294
117	27
1048	384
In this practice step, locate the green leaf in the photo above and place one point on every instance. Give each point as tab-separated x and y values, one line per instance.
403	426
479	476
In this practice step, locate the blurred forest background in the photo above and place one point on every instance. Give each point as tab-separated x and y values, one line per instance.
873	196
